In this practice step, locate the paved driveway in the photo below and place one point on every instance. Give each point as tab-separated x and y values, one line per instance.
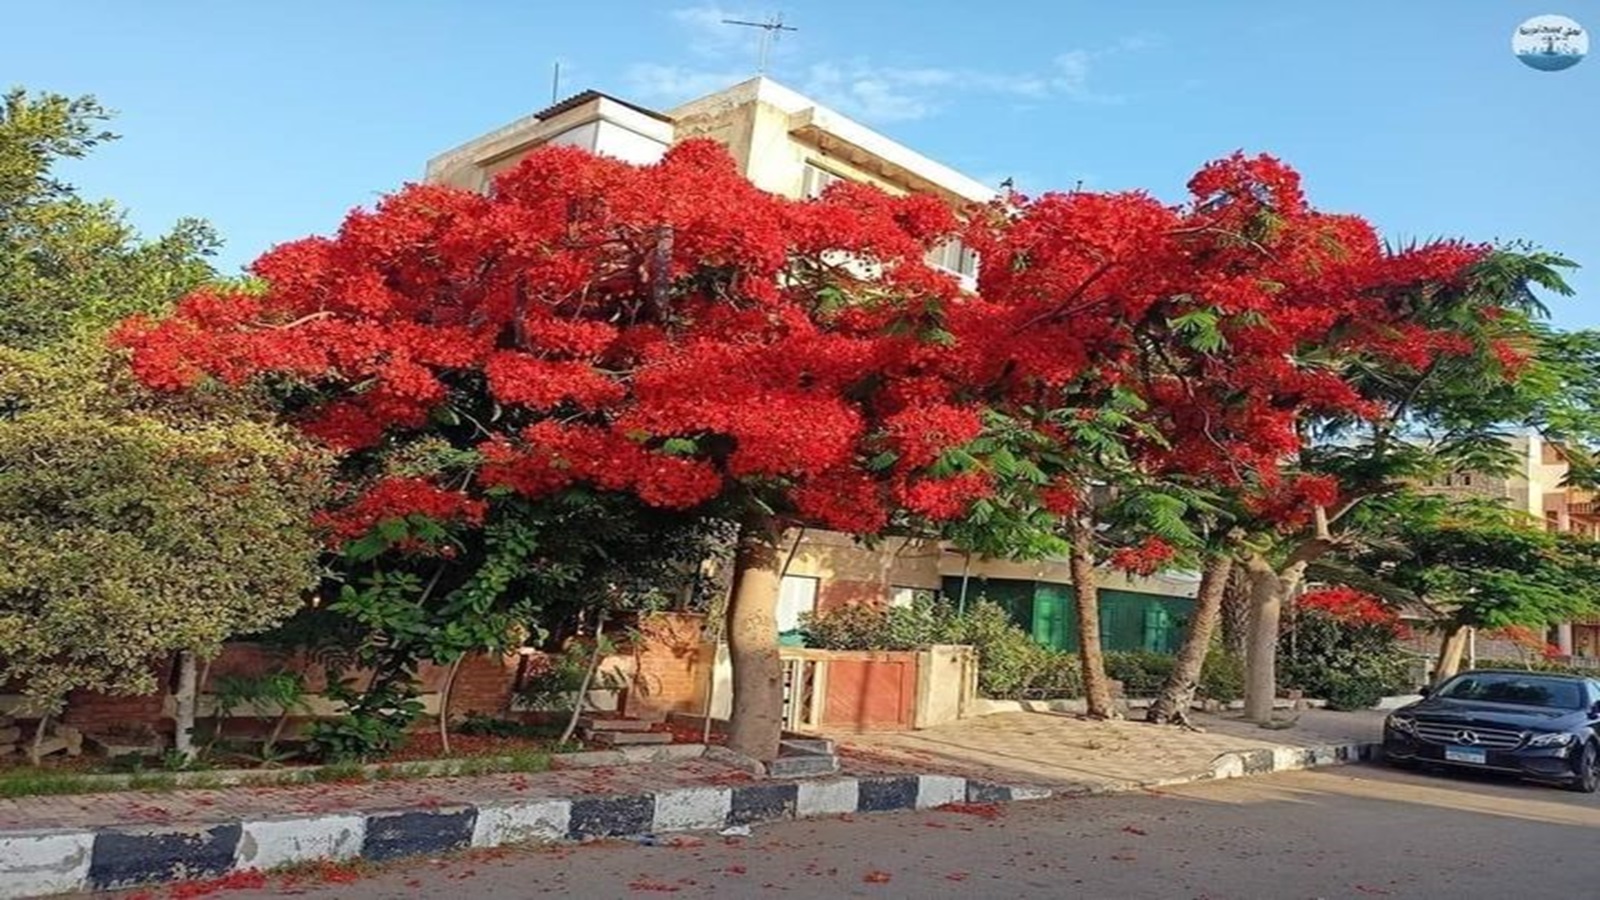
1062	749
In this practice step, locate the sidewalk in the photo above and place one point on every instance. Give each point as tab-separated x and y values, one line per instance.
101	841
1071	754
64	844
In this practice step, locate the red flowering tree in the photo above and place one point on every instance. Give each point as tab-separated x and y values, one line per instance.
671	334
1166	367
666	332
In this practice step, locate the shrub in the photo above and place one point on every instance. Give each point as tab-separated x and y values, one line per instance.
1222	677
865	626
1141	672
1345	691
1349	662
552	681
1009	661
1059	677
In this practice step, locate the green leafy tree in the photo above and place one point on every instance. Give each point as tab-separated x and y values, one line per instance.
1416	420
1477	564
132	527
69	265
133	530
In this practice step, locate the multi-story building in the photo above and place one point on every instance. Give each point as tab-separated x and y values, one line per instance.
791	145
1538	487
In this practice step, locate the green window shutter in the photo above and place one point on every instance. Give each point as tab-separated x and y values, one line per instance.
1157	627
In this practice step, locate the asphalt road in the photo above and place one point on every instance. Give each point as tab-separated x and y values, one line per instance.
1347	832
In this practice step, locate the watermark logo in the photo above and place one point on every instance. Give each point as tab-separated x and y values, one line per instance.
1550	43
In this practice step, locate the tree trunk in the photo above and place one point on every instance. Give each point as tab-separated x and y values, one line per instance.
588	677
38	739
756	725
1178	693
1267	592
1086	597
185	700
444	704
1236	612
1455	642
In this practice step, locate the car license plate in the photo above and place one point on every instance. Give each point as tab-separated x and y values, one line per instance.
1475	755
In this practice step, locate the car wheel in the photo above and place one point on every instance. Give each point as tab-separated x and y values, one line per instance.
1587	776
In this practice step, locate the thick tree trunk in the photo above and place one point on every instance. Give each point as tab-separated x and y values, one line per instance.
1178	693
1261	664
1455	642
1268	591
1236	612
756	725
1086	597
185	699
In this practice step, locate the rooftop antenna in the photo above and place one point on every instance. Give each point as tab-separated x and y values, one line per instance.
771	30
555	84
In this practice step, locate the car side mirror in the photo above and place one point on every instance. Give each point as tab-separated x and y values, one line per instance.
1425	690
1595	709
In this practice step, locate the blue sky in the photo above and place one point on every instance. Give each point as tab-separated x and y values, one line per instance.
272	119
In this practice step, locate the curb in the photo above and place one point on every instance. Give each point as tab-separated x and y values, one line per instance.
43	862
1265	761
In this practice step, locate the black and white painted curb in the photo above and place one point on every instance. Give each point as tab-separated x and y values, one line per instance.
39	863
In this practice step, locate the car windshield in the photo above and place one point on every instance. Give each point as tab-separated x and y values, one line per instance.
1556	693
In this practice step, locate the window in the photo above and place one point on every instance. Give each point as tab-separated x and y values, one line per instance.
796	594
955	257
1517	690
816	179
902	595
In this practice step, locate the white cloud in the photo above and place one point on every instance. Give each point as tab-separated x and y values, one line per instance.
675	84
861	87
709	35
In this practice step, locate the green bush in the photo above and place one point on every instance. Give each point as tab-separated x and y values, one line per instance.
1222	677
1350	664
552	680
1141	672
1059	677
865	626
1009	661
1344	691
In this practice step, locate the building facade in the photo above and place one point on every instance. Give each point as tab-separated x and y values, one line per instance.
1538	487
793	146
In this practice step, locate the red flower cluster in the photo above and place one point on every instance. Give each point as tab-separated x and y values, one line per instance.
400	498
673	332
1352	606
1147	558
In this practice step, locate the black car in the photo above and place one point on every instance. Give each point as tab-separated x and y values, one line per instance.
1538	725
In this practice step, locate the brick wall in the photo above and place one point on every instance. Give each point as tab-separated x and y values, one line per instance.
671	664
483	685
668	662
834	593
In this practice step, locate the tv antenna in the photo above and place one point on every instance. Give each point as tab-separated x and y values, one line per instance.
771	31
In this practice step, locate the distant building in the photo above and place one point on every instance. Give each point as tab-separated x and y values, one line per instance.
1538	487
791	145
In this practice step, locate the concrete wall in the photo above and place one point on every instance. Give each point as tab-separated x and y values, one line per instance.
947	680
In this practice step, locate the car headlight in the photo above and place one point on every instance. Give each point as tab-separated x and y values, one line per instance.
1404	724
1552	739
